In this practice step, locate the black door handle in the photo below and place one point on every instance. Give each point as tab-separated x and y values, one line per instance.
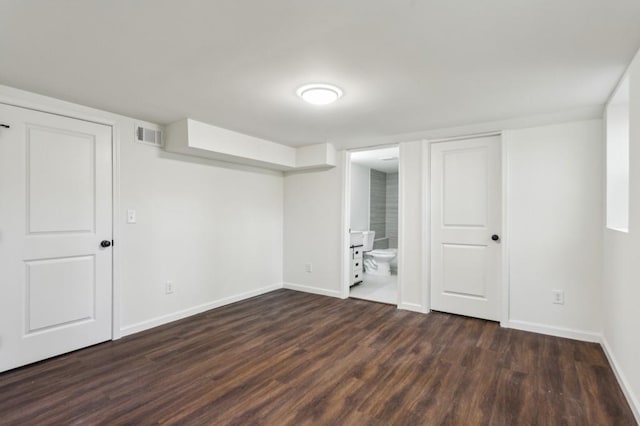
105	243
495	237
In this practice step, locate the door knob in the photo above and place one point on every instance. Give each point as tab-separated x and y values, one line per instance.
105	243
495	237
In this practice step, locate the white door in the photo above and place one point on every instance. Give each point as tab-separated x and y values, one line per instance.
55	210
465	227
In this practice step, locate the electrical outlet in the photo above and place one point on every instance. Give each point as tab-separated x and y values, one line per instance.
168	287
308	267
558	297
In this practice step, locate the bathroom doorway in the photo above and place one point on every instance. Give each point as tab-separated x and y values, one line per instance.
372	206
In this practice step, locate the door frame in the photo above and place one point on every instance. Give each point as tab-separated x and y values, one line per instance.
426	220
345	263
26	100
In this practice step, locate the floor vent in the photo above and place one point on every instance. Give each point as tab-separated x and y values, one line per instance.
148	136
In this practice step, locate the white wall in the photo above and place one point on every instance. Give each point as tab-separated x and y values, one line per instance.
360	181
621	283
212	228
554	200
312	230
555	218
412	258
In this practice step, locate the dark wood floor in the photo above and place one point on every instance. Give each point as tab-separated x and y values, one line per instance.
295	358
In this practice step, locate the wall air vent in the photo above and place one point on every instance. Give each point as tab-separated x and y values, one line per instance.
148	135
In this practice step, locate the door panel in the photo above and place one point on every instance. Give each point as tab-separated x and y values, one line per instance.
464	188
464	270
60	180
69	279
465	213
55	278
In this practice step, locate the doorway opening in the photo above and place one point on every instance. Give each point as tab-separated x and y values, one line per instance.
373	183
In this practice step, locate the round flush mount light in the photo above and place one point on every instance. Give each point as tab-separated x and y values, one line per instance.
319	94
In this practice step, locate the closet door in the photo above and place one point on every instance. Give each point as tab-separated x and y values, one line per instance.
55	235
465	227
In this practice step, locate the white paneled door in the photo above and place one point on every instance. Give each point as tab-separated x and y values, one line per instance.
466	209
55	235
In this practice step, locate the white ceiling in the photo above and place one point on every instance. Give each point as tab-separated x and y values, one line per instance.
383	159
405	65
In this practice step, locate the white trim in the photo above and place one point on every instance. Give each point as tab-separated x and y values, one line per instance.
505	303
314	290
115	234
622	380
184	313
622	230
569	333
425	146
345	238
466	137
369	193
401	262
41	103
413	307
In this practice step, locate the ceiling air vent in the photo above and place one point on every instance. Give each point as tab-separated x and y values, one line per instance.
148	136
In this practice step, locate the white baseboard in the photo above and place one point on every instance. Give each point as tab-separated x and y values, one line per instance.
622	379
174	316
314	290
414	307
585	336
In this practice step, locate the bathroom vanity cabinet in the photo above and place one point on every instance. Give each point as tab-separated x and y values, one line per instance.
356	265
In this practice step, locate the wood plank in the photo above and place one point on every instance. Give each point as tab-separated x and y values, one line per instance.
294	358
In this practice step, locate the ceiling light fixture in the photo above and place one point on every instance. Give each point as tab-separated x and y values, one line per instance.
388	158
319	94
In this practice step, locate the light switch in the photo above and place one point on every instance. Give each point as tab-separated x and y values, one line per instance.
131	216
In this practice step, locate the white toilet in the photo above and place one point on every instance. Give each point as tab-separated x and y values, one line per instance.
378	262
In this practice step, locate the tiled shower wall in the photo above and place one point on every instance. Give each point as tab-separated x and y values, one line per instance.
391	220
383	213
378	204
